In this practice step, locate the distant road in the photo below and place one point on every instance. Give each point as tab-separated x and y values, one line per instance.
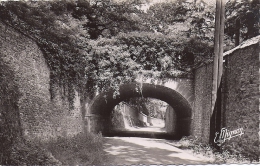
146	132
134	150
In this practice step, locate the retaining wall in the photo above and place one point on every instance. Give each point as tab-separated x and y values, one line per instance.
240	98
40	116
170	120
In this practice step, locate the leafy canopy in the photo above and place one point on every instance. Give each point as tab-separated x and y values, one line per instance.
94	45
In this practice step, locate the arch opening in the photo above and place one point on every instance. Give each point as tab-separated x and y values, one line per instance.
140	114
104	103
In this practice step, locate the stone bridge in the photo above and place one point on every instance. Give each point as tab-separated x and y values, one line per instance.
179	97
190	98
40	116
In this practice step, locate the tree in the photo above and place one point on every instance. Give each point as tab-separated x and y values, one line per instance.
148	106
107	18
59	36
161	15
242	19
153	52
94	45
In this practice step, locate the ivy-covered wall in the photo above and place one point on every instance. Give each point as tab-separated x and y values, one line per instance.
40	115
240	98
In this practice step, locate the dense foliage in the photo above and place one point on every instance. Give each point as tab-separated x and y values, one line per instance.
81	149
242	19
148	106
128	56
94	45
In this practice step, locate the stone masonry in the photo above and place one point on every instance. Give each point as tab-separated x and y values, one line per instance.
240	98
40	116
43	118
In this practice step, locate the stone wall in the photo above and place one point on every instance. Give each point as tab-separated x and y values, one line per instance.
132	115
142	117
184	86
123	117
151	121
40	116
240	98
10	126
202	103
170	120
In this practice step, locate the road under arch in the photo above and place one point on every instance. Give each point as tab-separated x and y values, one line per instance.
103	104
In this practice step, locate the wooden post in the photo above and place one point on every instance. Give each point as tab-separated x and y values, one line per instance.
221	38
218	50
217	70
216	53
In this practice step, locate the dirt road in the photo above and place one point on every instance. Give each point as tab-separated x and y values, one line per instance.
144	151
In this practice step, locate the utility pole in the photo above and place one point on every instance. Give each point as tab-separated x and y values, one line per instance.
215	120
218	49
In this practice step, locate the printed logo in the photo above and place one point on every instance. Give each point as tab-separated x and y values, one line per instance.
227	135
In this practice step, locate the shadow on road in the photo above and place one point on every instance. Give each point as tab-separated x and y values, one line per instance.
143	134
129	150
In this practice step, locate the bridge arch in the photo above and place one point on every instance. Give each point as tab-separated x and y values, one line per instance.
103	104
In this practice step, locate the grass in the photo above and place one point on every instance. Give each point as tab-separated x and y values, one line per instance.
87	149
219	156
24	152
82	149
